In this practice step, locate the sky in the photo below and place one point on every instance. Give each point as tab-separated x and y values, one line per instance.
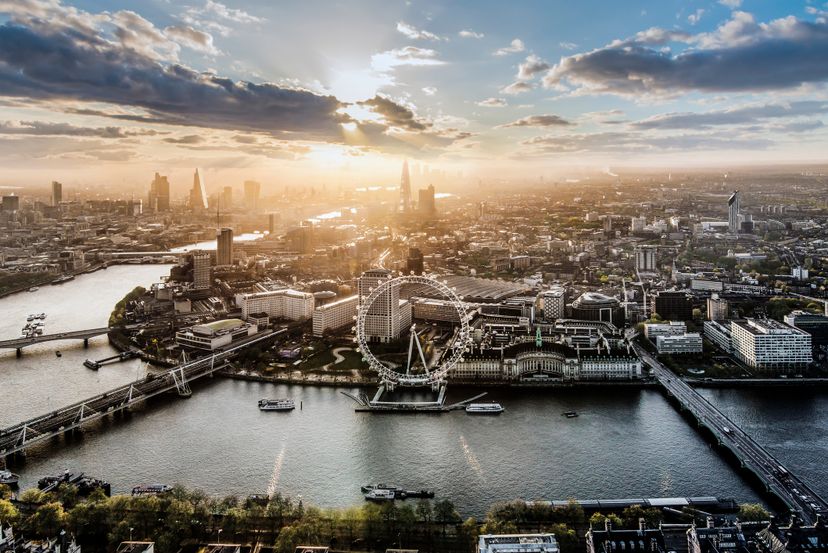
313	91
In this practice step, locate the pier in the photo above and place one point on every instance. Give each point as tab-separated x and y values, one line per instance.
15	439
123	356
777	480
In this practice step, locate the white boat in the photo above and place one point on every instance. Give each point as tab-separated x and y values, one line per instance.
34	289
484	408
381	495
276	404
8	478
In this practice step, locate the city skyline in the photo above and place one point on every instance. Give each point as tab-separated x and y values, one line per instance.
103	93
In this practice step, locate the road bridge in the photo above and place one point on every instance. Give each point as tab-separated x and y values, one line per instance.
85	335
778	480
18	437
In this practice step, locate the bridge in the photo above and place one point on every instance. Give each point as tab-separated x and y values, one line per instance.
17	438
778	480
85	335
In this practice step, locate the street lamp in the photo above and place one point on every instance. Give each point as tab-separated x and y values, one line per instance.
219	534
130	533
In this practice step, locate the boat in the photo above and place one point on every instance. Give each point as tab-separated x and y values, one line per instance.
58	353
276	404
154	489
368	487
85	485
381	495
90	364
30	318
34	289
62	279
484	408
9	478
570	414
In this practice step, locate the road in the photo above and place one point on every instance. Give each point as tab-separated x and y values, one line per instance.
16	343
797	495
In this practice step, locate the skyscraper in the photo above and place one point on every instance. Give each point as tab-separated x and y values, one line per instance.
159	194
11	203
201	270
57	193
426	201
382	323
227	197
198	194
733	206
251	194
272	222
224	247
405	189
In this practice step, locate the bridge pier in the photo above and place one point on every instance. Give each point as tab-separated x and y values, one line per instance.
20	352
86	342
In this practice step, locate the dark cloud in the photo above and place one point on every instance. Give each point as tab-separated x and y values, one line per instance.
539	121
740	55
396	115
738	116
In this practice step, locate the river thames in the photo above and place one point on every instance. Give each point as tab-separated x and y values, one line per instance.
626	443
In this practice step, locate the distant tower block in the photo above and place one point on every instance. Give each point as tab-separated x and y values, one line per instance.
198	194
405	188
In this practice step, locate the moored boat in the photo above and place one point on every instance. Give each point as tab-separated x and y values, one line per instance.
154	489
381	495
570	414
284	404
9	478
368	487
484	408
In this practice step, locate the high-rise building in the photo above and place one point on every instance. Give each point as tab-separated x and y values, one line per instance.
227	197
637	224
159	194
769	344
198	194
201	270
718	308
645	259
405	188
414	262
252	189
11	203
57	193
272	223
674	306
733	207
426	201
382	323
224	247
552	304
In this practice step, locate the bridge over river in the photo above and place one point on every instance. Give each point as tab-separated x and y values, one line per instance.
20	343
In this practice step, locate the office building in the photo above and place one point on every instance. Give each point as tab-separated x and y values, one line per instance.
201	270
405	189
227	198
224	247
637	224
159	194
11	203
552	304
718	308
198	193
414	262
645	259
593	306
733	216
57	193
335	315
252	190
387	316
674	306
272	223
426	204
667	328
814	324
287	304
517	543
770	345
719	333
689	342
214	335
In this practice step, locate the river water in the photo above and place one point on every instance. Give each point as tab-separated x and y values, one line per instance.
626	443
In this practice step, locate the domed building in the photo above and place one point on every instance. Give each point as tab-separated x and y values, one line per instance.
594	306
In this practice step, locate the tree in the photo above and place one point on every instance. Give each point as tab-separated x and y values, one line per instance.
8	513
445	513
48	520
753	512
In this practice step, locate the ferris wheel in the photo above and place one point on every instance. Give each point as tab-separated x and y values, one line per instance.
421	368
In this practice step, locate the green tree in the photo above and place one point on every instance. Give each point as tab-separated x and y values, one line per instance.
47	521
8	513
753	512
445	513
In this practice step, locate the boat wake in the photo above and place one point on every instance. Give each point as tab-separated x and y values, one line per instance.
277	472
471	458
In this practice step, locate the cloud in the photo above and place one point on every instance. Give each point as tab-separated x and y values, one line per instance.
415	34
220	11
42	128
736	116
396	115
637	142
695	17
732	4
493	103
567	45
539	121
188	139
468	33
192	38
739	56
429	90
514	47
409	55
517	87
531	67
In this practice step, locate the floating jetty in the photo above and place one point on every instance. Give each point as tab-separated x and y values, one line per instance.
123	356
84	484
377	405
